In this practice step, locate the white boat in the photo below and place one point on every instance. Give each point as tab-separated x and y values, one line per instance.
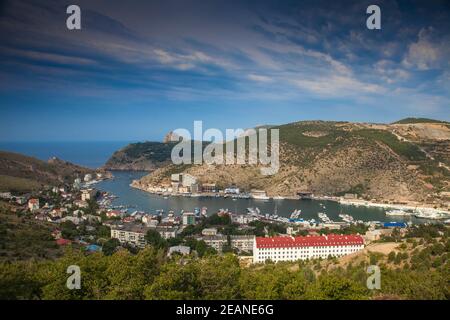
429	214
260	197
278	198
295	214
397	213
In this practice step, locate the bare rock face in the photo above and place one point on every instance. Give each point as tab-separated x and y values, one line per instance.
170	137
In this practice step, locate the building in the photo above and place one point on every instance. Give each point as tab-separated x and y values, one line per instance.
303	248
88	194
33	204
113	214
259	194
209	187
217	242
183	250
395	225
133	234
232	190
167	233
242	243
243	218
81	204
188	218
176	177
188	180
209	232
87	177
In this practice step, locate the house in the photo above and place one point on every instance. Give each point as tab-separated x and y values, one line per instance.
209	232
81	203
63	242
114	214
88	194
33	204
184	250
373	235
74	220
91	218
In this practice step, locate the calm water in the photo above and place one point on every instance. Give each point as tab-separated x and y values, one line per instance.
144	201
88	154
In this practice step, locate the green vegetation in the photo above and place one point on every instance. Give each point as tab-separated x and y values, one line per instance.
18	185
406	149
156	151
150	274
417	120
19	173
22	238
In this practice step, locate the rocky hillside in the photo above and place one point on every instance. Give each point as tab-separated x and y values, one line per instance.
22	173
146	156
405	161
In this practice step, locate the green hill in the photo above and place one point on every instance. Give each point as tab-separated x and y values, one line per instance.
418	120
20	173
332	158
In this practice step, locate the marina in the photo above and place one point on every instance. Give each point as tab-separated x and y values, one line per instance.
286	210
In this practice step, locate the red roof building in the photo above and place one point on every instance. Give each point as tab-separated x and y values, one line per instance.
302	248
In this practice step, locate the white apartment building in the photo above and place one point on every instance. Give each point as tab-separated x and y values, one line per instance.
242	243
131	234
302	248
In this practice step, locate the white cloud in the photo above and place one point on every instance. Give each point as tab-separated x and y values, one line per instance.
259	78
427	53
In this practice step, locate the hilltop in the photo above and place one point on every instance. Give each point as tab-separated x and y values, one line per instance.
20	173
146	156
399	162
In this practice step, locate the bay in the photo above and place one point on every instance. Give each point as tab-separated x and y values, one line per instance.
144	201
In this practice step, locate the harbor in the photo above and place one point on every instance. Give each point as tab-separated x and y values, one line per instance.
132	199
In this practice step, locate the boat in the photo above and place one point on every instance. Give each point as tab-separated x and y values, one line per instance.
278	198
295	214
429	214
261	197
397	213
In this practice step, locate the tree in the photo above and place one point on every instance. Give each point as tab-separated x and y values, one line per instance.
109	247
154	239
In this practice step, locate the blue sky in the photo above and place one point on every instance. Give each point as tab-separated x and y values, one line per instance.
139	69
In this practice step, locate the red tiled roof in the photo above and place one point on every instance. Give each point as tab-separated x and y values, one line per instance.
309	241
63	242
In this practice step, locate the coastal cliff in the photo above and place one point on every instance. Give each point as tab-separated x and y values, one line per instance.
142	156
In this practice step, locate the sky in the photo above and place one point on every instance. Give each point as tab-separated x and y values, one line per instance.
139	69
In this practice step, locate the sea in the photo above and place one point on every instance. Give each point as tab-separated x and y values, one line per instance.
91	154
95	154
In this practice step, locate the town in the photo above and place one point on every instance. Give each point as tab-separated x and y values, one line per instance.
85	217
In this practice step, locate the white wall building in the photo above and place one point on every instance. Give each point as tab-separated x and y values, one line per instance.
302	248
131	234
242	243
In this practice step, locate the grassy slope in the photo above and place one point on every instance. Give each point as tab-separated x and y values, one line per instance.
23	173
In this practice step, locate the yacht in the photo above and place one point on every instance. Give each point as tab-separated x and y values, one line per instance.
397	213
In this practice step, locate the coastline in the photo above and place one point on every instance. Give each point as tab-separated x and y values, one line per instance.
356	202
